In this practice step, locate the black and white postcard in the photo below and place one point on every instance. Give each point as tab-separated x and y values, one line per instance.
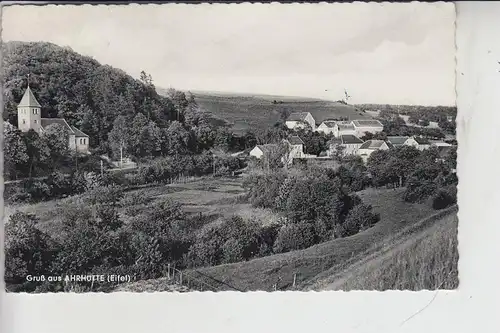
166	151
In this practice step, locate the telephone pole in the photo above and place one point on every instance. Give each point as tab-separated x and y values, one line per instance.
121	156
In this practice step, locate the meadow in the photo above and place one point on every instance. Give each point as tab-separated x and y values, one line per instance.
208	196
259	112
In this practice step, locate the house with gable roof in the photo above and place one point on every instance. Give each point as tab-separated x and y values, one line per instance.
369	146
350	145
29	117
343	128
327	127
364	126
297	120
296	146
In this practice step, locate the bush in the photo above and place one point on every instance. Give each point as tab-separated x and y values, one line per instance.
232	251
28	251
294	237
359	218
419	191
445	197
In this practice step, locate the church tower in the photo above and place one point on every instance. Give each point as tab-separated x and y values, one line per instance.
29	112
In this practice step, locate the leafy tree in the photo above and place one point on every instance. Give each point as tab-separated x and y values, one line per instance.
15	151
38	151
120	136
56	137
28	251
177	139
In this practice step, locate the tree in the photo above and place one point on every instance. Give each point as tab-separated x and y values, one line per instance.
15	151
28	251
180	102
56	137
37	150
119	136
177	139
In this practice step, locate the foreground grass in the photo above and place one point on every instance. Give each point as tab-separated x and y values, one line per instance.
429	261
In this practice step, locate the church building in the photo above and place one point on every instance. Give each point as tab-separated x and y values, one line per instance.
29	117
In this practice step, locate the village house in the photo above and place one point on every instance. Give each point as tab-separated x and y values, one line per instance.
368	147
296	147
327	127
350	145
299	120
259	150
343	128
362	127
397	141
29	117
418	142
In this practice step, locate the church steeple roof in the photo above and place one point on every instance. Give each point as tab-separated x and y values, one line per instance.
29	99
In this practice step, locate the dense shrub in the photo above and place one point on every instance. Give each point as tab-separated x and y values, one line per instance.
264	188
28	251
294	237
232	251
360	217
444	197
419	191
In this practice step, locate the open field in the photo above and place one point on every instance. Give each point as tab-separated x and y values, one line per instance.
206	195
245	112
397	216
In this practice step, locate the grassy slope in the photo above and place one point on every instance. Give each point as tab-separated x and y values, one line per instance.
323	260
427	261
245	112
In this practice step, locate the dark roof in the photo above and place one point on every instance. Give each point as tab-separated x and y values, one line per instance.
329	123
421	141
397	140
297	116
372	144
345	126
334	141
350	139
50	121
367	123
79	133
295	140
29	99
267	148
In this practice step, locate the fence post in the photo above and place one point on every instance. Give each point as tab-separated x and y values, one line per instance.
294	279
275	287
180	278
173	273
168	271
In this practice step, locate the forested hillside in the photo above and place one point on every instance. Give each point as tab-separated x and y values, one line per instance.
97	97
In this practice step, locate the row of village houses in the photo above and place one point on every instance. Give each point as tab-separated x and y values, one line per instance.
352	145
347	136
359	128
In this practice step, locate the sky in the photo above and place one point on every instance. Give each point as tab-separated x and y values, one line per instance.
391	53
